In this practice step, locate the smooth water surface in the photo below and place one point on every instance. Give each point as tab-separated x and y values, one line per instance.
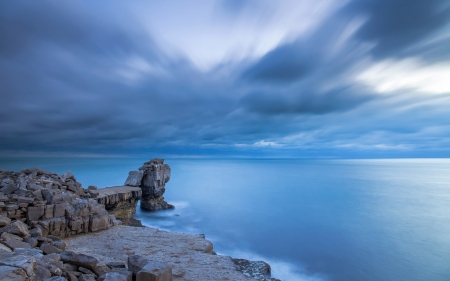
311	219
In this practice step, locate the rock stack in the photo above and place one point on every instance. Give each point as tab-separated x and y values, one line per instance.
151	178
57	204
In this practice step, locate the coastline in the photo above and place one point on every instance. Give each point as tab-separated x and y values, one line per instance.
50	226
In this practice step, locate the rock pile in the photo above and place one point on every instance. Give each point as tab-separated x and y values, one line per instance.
151	178
57	204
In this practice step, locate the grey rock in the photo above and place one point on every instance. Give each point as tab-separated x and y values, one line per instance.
85	270
92	187
101	269
21	261
79	259
32	241
5	248
35	253
49	249
4	221
134	178
67	175
136	263
155	271
116	265
256	269
11	273
99	222
13	244
35	232
60	245
69	267
71	277
9	188
17	228
42	273
8	236
34	213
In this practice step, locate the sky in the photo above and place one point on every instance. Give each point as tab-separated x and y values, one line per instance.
225	78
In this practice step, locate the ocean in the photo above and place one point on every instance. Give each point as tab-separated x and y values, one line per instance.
311	219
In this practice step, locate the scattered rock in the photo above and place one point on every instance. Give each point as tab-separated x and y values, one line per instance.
5	248
13	244
17	228
123	275
79	259
4	221
155	271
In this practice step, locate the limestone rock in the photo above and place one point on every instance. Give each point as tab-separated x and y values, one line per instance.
56	278
134	178
11	273
13	244
5	248
136	263
155	271
17	228
42	273
8	236
79	259
4	221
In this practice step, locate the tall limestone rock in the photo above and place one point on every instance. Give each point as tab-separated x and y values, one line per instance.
151	178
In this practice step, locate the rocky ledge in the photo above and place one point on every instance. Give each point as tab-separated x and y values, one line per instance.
53	229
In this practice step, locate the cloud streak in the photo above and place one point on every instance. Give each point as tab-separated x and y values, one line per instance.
357	80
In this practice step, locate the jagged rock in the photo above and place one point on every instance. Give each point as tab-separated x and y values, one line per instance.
5	248
42	273
134	178
9	188
155	271
11	273
69	267
35	253
256	269
19	261
32	241
34	213
49	249
79	259
136	263
156	204
17	228
35	232
4	221
92	187
13	244
8	236
101	269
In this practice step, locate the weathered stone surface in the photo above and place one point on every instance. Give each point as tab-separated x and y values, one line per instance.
4	221
99	222
34	213
9	188
35	232
123	275
136	263
8	236
101	269
32	241
13	244
49	249
17	228
155	271
42	273
20	261
11	273
92	187
5	248
256	269
79	259
156	204
35	253
134	178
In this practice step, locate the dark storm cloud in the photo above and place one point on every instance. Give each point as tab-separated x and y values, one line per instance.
303	103
395	25
74	79
284	64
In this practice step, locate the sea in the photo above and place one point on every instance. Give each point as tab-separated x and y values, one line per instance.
311	219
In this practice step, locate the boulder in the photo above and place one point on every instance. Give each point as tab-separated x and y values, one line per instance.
17	228
134	178
49	249
56	278
155	271
9	188
11	273
13	244
5	248
42	273
136	263
4	221
19	261
79	259
8	236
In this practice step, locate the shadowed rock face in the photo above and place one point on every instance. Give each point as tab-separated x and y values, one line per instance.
151	178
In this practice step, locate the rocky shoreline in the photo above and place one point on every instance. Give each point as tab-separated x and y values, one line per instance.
54	229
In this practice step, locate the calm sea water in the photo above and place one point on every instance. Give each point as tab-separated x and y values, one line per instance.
374	220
